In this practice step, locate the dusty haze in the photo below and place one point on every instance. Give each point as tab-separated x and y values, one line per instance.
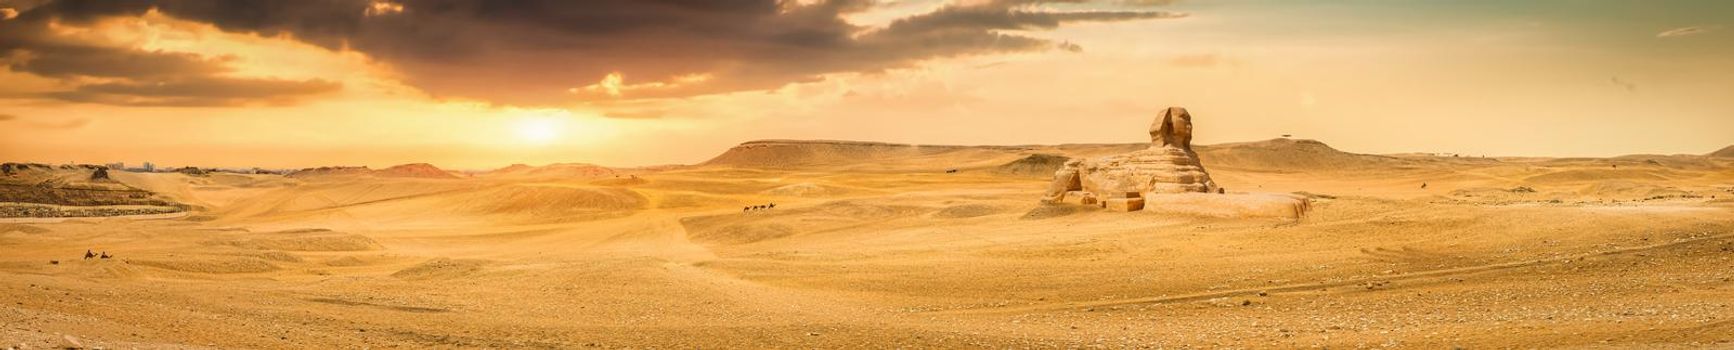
752	174
1602	78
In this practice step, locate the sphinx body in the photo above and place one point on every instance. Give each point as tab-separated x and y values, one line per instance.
1168	166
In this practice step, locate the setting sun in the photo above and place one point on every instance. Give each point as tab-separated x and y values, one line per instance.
539	130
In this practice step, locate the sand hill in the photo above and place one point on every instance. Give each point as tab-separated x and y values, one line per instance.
1290	155
866	156
1725	152
558	170
42	190
1034	165
414	170
331	171
511	169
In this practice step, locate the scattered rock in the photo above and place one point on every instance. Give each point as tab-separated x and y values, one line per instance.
70	342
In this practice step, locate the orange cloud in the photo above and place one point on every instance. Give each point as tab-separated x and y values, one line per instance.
614	84
1683	31
381	8
122	61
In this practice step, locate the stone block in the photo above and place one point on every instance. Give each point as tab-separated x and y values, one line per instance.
1124	204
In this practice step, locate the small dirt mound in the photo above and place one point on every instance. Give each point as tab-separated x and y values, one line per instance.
804	189
279	257
441	268
21	228
621	181
1313	196
346	261
967	211
1034	165
743	233
309	243
863	210
550	201
225	265
1046	211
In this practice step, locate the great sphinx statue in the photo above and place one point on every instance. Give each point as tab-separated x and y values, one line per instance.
1121	181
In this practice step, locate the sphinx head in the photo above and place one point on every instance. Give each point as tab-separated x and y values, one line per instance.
1172	129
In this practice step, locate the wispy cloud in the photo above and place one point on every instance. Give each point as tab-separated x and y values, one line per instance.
1148	2
73	123
1683	31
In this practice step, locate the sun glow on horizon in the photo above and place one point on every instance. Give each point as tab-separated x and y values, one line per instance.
539	129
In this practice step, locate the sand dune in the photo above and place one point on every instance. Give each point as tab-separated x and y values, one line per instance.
1725	152
897	250
414	170
562	170
1295	155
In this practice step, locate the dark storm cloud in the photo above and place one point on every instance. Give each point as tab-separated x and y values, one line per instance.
65	61
989	17
543	52
204	91
1148	2
124	75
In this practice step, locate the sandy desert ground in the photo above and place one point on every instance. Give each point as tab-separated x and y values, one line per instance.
877	245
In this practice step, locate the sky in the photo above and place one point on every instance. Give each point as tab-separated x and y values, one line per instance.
472	84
